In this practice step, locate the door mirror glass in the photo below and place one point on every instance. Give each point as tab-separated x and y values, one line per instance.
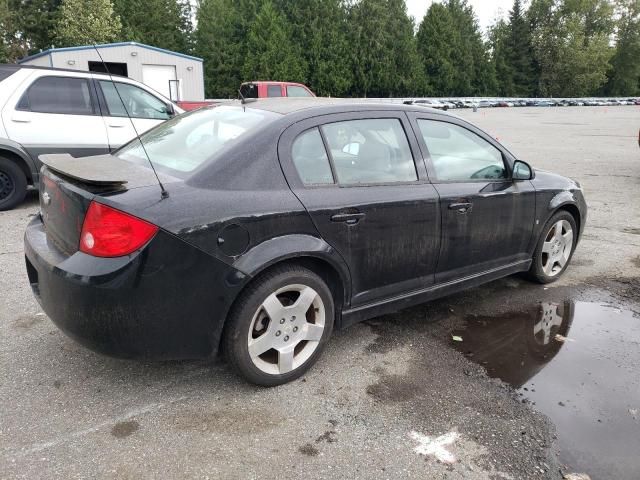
522	171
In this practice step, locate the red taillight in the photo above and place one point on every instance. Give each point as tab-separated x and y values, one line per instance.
107	232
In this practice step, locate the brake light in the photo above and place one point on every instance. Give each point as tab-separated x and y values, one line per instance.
107	232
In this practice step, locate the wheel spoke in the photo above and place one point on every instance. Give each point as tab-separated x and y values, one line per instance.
285	359
273	307
306	298
547	247
558	230
260	345
313	332
548	267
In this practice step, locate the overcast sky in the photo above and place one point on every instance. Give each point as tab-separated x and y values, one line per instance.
486	10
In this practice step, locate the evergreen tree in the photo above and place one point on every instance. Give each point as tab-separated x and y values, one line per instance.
625	73
161	23
455	57
83	22
499	35
271	52
385	59
436	38
520	53
319	28
219	40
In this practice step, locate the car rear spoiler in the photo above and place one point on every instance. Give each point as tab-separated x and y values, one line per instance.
95	170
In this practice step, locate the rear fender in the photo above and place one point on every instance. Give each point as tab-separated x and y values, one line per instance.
290	247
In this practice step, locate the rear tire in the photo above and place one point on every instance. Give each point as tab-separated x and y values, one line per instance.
13	184
555	248
279	326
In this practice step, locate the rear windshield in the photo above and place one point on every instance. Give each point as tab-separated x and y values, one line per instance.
180	145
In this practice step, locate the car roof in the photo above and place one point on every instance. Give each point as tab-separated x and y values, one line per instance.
289	105
18	66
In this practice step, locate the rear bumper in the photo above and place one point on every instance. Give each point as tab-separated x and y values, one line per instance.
167	301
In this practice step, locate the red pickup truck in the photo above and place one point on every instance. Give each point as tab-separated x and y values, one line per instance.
262	89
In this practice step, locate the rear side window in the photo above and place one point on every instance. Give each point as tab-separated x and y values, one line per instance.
62	95
297	91
310	159
274	91
370	151
139	102
458	154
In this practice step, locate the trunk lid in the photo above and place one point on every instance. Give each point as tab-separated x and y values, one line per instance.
68	185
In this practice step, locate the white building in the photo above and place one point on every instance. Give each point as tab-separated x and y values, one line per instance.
175	75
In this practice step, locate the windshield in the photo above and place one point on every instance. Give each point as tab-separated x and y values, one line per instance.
183	143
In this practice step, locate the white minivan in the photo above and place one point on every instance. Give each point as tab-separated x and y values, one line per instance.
48	110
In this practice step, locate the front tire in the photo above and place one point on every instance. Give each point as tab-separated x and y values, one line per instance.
13	184
279	326
555	248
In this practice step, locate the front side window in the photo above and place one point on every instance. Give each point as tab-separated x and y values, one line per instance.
138	102
189	140
297	91
61	95
370	151
310	159
458	154
274	91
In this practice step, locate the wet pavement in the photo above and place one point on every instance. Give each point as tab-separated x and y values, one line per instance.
390	398
576	362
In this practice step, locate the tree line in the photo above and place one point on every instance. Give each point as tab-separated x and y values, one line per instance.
368	48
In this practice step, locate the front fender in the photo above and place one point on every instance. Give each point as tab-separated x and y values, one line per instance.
289	247
560	199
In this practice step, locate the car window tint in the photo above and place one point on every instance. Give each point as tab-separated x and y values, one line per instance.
370	151
62	95
310	159
459	154
274	91
139	102
296	91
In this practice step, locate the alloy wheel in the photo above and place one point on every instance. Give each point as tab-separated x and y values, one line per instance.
286	329
556	248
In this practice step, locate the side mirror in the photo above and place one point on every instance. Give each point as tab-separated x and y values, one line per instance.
170	110
522	171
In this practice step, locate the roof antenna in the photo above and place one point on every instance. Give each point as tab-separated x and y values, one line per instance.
163	192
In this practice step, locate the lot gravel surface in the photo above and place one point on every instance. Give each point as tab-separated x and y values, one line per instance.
390	398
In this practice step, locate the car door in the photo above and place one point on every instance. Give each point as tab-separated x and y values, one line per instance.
487	217
355	174
56	113
126	105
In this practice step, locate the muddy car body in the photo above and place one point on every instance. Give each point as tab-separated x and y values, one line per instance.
307	215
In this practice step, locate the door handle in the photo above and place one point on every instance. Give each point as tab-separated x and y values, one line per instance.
18	119
348	218
116	125
462	207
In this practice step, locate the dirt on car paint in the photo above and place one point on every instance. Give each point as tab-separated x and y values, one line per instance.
576	363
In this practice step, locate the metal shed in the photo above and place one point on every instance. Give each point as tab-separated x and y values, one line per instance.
173	74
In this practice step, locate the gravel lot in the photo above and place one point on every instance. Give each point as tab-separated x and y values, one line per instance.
380	388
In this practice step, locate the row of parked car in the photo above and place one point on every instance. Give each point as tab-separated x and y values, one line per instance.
446	104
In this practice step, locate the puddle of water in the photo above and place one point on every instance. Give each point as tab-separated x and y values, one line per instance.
577	362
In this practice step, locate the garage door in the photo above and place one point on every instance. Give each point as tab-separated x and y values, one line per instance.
161	78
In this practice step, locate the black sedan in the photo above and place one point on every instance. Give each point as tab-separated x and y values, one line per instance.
280	220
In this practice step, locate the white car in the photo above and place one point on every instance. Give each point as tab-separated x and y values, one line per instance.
47	110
